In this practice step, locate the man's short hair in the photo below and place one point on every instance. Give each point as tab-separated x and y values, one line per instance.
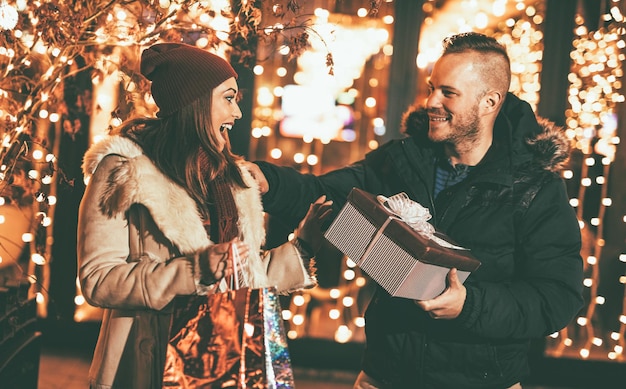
497	65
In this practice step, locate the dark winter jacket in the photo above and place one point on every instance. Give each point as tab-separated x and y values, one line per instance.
512	211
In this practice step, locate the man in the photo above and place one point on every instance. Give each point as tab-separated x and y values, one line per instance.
478	158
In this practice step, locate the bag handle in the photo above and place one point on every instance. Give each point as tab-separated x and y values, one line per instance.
238	271
234	279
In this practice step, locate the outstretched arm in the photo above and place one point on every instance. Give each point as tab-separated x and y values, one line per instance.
289	192
291	266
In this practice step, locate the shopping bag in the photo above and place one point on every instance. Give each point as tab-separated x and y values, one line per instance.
231	339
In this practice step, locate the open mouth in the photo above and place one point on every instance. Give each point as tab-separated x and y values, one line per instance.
226	127
437	118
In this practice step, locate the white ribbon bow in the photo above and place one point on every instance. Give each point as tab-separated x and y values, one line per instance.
413	214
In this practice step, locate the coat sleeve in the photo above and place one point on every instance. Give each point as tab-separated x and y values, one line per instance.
291	192
547	292
288	269
108	276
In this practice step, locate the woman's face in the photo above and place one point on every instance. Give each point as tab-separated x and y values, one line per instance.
224	110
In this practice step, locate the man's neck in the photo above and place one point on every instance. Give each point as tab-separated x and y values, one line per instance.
469	153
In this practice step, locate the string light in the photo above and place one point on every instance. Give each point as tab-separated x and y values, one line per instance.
44	45
8	16
591	124
594	97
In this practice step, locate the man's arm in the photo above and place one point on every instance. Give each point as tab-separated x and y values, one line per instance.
288	193
547	291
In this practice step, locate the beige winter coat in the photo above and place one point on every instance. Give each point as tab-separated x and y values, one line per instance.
138	233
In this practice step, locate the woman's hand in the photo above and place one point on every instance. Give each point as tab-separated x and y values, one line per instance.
310	228
216	262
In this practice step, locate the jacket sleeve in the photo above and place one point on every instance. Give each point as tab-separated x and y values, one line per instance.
547	291
291	192
108	276
288	269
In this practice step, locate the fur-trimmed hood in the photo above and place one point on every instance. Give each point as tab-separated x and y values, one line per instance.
532	138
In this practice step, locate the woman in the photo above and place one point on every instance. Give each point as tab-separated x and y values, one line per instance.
166	201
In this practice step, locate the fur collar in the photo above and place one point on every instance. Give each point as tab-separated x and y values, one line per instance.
532	138
172	209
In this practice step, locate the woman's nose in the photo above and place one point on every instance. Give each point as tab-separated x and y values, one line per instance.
237	114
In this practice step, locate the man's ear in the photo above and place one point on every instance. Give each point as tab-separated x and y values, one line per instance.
492	101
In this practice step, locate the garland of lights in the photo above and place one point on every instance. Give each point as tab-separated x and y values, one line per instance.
594	98
594	95
42	43
524	43
39	44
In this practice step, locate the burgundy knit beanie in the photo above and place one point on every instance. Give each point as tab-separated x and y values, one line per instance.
181	73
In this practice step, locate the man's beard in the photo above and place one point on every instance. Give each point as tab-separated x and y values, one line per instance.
463	132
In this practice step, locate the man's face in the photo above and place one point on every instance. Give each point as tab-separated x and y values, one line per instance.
453	102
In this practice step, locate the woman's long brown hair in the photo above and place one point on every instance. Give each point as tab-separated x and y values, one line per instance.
173	143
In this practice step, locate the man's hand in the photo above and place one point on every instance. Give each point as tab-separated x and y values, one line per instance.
258	176
447	305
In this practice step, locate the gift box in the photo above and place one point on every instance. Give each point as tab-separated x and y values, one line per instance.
391	240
